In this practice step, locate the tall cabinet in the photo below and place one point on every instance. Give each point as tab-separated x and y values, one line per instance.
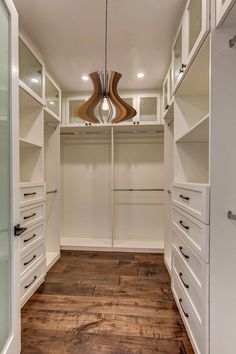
39	137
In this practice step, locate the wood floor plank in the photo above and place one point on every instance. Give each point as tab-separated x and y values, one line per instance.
106	303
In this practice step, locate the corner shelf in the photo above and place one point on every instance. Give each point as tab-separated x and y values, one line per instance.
28	144
198	133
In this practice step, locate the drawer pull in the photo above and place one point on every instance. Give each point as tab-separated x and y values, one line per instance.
29	216
184	226
27	286
183	197
26	263
185	313
28	239
185	255
181	278
29	194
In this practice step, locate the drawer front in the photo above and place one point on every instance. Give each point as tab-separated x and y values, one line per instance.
193	201
32	257
193	230
198	332
31	236
195	264
30	194
195	293
30	282
32	214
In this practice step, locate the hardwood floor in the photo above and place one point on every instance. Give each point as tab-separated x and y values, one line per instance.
102	302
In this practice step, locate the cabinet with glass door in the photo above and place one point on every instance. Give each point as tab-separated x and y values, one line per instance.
52	98
222	9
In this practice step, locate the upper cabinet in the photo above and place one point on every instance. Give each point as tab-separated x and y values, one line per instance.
223	7
31	71
192	32
52	98
146	105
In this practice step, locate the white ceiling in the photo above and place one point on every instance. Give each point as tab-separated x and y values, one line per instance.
70	36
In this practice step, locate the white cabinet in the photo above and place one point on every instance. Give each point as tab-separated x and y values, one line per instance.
148	109
222	9
192	32
71	106
31	71
52	98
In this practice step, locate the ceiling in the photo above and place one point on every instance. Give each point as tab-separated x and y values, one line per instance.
70	36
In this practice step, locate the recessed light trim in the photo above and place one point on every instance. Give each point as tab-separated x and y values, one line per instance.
33	79
140	75
85	77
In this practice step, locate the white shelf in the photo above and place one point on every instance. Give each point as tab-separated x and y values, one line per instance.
199	133
31	93
50	116
51	259
28	144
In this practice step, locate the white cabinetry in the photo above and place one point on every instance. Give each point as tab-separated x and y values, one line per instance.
223	7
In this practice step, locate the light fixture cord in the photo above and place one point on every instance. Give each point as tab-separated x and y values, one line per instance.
106	79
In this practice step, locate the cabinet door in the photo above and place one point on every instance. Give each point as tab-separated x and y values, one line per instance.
166	92
149	109
222	7
31	72
131	100
72	104
197	25
9	181
53	97
179	54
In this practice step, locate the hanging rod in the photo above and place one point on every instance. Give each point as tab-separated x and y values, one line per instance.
138	190
51	192
232	42
115	132
51	125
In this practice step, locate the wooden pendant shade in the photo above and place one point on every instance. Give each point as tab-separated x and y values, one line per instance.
123	110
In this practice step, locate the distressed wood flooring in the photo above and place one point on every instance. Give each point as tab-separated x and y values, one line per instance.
102	302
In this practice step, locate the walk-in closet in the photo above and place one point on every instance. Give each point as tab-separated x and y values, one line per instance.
117	176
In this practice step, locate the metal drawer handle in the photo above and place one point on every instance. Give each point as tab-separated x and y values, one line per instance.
185	255
26	263
28	239
183	197
181	278
185	313
184	226
27	286
29	194
29	216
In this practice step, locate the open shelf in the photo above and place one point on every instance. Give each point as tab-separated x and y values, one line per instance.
198	133
26	143
50	116
31	163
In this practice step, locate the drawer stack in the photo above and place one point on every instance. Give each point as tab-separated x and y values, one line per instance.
190	260
32	244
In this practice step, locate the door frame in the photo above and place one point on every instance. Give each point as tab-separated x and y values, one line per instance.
13	345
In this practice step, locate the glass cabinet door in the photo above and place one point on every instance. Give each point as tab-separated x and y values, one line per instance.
177	58
73	106
131	101
5	215
148	109
194	22
30	69
52	97
166	93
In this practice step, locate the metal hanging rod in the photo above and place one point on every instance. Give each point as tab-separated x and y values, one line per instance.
115	132
52	192
231	215
138	190
232	42
51	125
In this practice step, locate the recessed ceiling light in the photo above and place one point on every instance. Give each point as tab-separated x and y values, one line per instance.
51	102
34	80
140	75
85	78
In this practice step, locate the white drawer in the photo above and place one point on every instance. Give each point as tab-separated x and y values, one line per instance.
30	258
193	230
31	214
31	281
197	295
198	332
31	192
192	198
31	236
197	267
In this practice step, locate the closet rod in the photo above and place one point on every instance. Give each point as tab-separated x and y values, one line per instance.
232	42
118	132
51	192
139	190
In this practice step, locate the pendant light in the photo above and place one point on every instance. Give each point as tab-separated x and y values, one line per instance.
111	107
